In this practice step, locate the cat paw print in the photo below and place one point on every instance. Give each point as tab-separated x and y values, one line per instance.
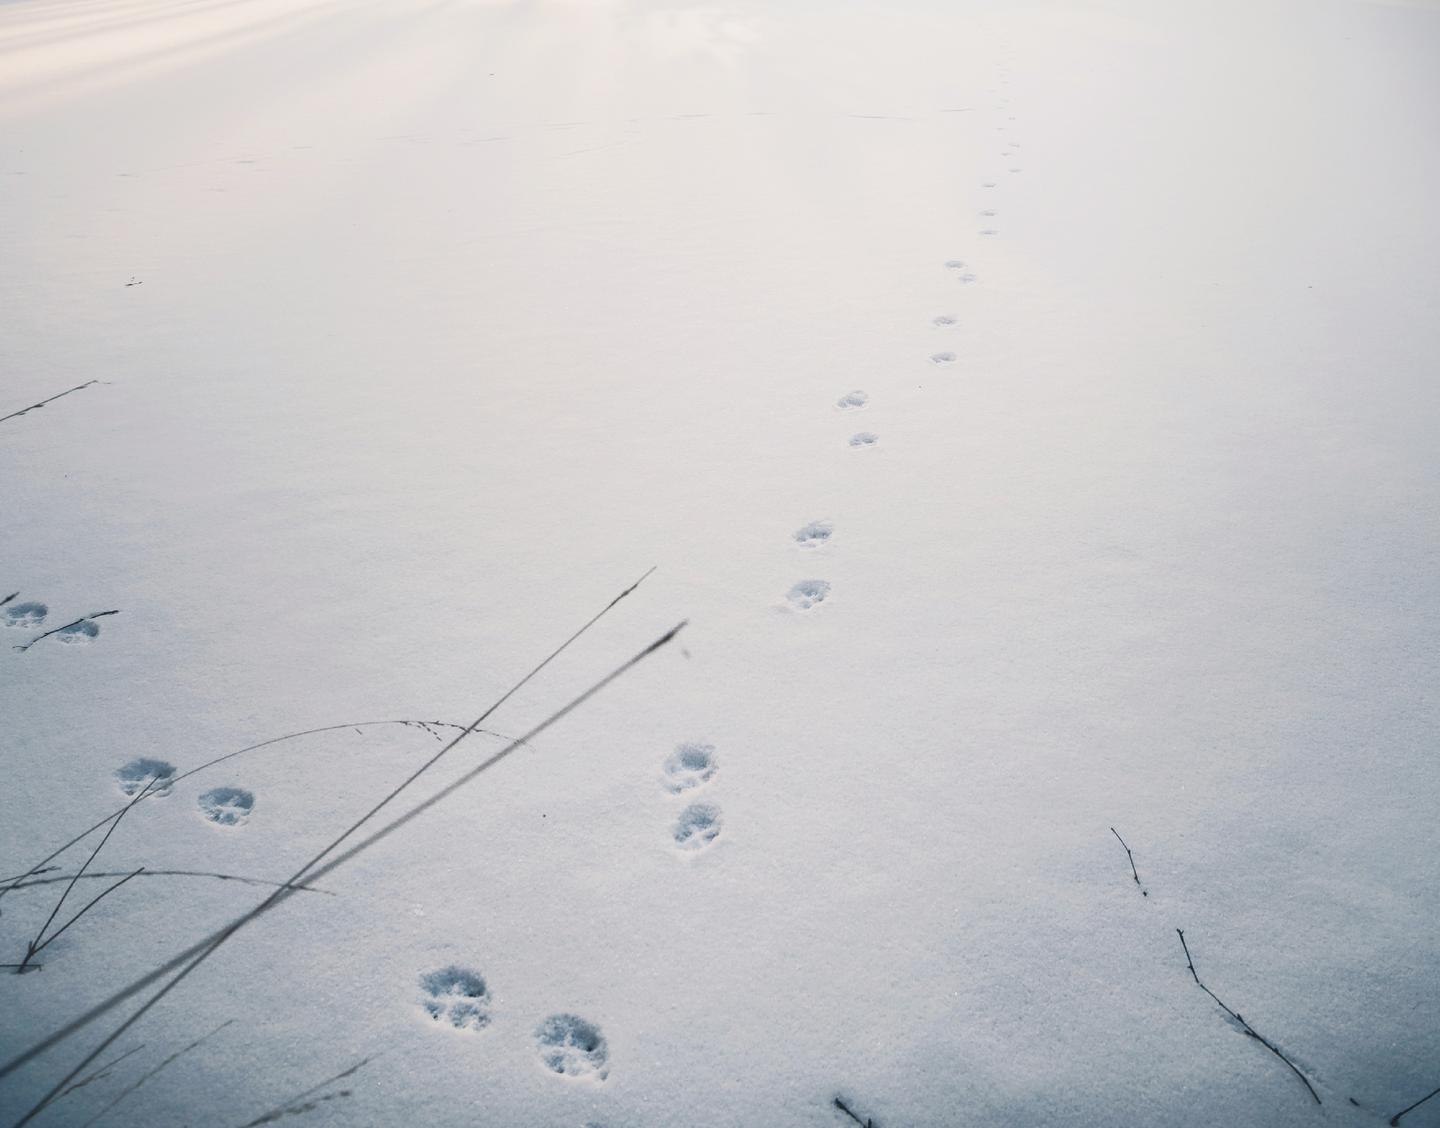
456	996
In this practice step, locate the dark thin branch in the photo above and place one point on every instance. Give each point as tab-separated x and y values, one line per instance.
230	756
96	874
1394	1120
292	1104
846	1109
198	953
83	619
1136	873
1249	1030
146	1077
8	598
88	906
36	945
42	403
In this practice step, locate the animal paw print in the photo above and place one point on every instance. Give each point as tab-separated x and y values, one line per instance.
135	776
689	766
456	996
697	826
864	439
851	400
814	534
572	1047
81	633
227	806
808	593
961	269
26	615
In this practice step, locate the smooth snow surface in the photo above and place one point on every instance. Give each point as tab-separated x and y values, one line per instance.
404	334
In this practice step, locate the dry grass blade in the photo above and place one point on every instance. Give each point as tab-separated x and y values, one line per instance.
95	875
42	403
1249	1030
37	944
146	1077
292	1104
90	904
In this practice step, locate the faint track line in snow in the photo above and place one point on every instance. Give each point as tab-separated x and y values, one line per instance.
291	1106
103	1072
146	1077
42	403
1250	1031
196	954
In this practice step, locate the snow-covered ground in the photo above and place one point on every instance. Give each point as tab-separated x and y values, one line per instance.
449	318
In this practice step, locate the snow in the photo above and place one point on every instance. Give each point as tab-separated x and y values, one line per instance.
1030	405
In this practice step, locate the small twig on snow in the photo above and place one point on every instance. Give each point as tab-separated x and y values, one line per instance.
42	403
1250	1031
1394	1120
851	1113
1136	873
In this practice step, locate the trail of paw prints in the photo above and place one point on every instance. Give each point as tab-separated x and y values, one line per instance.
227	806
457	997
572	1047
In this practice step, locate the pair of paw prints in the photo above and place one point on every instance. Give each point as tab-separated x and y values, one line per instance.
689	767
30	615
224	806
567	1044
854	401
961	270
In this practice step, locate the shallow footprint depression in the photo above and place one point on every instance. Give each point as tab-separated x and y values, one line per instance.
456	996
573	1047
227	806
689	766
